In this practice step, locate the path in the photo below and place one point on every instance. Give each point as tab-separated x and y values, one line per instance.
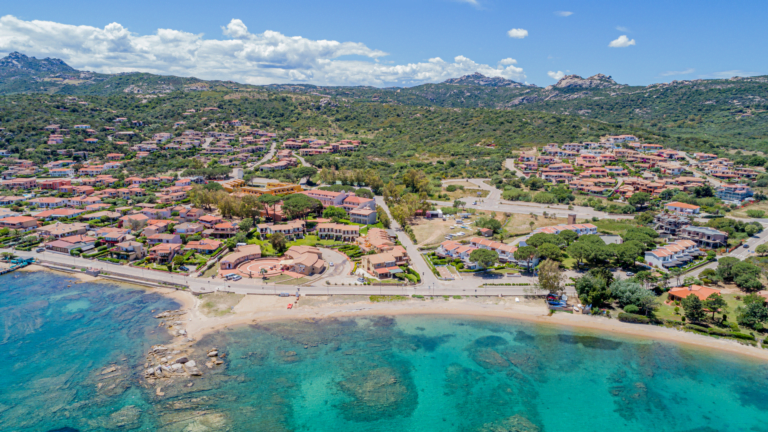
510	165
270	154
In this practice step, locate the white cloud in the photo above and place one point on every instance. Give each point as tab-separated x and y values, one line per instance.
623	29
242	56
622	42
563	13
474	3
507	61
517	33
556	75
675	73
730	74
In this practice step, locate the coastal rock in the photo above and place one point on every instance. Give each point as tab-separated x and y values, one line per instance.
177	367
108	370
516	423
182	360
169	313
194	371
213	354
190	363
127	418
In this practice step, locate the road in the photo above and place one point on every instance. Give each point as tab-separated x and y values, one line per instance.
207	142
510	165
301	159
270	154
697	173
417	261
741	252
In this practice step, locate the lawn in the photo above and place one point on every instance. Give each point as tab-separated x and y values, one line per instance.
308	240
568	263
616	227
213	271
742	212
466	193
521	223
668	312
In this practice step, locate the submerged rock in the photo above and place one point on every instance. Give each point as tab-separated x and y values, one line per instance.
516	423
127	418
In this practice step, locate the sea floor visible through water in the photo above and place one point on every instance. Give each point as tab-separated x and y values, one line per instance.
404	373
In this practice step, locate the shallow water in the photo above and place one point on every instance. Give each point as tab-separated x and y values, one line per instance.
370	374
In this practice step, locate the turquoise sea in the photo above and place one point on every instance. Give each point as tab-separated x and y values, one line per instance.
365	374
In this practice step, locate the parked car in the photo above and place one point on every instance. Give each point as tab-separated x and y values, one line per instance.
630	274
360	279
746	245
183	268
38	250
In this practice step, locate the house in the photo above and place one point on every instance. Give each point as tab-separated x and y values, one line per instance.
48	202
164	252
290	230
189	228
486	232
327	198
704	236
191	214
205	246
702	292
381	265
59	230
222	230
113	235
353	202
376	239
164	239
506	252
682	208
19	223
241	255
736	193
131	220
673	255
363	216
306	260
339	232
68	243
456	250
209	221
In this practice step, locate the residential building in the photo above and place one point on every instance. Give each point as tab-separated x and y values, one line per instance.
702	292
682	208
381	265
204	246
241	255
704	236
164	252
736	193
20	223
363	216
128	250
670	224
673	255
339	232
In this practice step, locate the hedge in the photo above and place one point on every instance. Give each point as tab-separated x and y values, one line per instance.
633	318
697	328
744	336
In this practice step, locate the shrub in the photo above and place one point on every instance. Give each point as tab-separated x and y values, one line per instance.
633	318
632	309
457	297
718	331
697	328
744	336
419	296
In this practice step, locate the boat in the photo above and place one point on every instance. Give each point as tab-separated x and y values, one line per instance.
290	305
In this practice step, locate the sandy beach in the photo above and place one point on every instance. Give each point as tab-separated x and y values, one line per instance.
262	308
254	309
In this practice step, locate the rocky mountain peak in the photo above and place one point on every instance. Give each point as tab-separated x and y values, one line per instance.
597	81
479	79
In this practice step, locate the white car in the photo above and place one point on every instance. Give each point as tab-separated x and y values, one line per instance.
330	264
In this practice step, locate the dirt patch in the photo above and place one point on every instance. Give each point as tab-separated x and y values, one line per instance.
219	304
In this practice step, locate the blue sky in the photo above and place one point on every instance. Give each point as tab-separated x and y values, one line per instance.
391	43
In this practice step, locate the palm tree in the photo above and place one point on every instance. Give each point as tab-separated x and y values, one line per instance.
676	272
531	224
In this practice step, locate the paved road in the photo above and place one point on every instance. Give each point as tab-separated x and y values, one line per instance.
697	173
417	261
207	142
481	183
510	165
741	252
301	159
270	154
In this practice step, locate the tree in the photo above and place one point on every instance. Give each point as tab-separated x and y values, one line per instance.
484	257
752	315
246	225
335	213
750	230
569	236
629	292
550	251
490	223
578	251
676	272
762	249
725	268
592	290
539	239
457	203
269	201
627	252
551	279
178	260
383	217
694	311
526	254
715	302
639	199
278	242
300	205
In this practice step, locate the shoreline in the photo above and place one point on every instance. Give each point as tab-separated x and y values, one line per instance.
261	309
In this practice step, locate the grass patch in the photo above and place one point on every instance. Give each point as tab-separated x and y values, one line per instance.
383	298
616	227
219	304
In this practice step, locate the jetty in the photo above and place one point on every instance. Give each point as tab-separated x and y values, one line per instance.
16	264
